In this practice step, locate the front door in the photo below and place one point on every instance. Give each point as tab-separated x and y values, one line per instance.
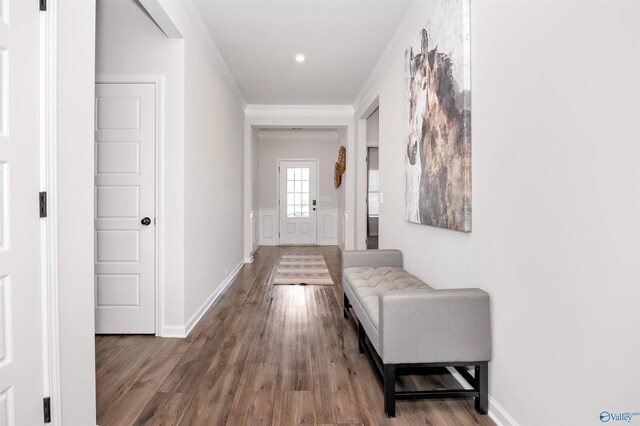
298	187
124	208
23	345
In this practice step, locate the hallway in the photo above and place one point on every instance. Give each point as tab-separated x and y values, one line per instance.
263	354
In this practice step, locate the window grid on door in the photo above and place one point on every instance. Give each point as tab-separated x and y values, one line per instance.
298	192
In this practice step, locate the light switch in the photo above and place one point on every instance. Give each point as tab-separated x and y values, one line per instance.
381	198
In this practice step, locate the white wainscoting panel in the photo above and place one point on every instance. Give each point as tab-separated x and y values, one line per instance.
269	225
341	226
327	227
255	231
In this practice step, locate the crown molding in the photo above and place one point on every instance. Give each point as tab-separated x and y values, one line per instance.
413	20
191	24
299	111
288	135
159	14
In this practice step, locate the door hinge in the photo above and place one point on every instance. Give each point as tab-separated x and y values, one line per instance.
43	204
46	403
43	5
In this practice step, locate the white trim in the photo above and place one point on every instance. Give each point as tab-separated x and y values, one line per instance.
299	110
415	17
288	135
49	120
255	236
342	230
248	259
197	316
158	81
157	11
174	331
362	182
496	412
499	415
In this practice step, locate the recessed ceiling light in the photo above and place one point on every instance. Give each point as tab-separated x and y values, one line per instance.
300	57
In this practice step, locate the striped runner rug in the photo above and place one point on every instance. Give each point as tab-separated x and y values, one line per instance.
303	269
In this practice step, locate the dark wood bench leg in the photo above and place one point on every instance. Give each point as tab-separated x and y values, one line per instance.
482	380
390	390
345	309
361	337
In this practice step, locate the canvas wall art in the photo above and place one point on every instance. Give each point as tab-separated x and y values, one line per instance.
438	139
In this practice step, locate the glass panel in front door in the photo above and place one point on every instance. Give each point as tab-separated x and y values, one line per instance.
298	192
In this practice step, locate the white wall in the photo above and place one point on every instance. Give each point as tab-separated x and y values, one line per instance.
128	42
200	155
213	182
75	132
295	145
555	198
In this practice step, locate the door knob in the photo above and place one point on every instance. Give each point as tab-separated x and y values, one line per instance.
145	221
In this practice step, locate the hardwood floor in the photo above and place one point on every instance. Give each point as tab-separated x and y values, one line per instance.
263	354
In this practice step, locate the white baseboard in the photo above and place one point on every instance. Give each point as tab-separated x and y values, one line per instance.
270	243
248	259
496	412
172	331
499	415
197	316
319	243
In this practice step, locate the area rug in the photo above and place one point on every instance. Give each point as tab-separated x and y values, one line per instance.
302	269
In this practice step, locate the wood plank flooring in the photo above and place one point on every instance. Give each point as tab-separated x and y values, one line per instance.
263	355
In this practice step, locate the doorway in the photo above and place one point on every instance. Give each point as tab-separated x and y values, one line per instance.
297	201
373	179
373	197
125	208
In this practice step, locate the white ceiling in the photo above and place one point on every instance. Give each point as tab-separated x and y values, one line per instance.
342	40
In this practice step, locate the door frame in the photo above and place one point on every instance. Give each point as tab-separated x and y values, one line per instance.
49	254
362	192
158	81
310	160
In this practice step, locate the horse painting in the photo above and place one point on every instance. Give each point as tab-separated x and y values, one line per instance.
438	144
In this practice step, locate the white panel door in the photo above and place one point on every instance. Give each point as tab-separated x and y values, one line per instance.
22	347
298	186
124	208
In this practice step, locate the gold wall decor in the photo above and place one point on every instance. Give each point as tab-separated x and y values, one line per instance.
340	166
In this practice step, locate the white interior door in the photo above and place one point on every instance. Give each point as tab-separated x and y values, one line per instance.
22	347
124	209
298	188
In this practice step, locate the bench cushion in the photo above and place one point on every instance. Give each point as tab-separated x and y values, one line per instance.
368	283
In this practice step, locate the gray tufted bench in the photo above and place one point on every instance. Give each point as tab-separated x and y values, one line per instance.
405	324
